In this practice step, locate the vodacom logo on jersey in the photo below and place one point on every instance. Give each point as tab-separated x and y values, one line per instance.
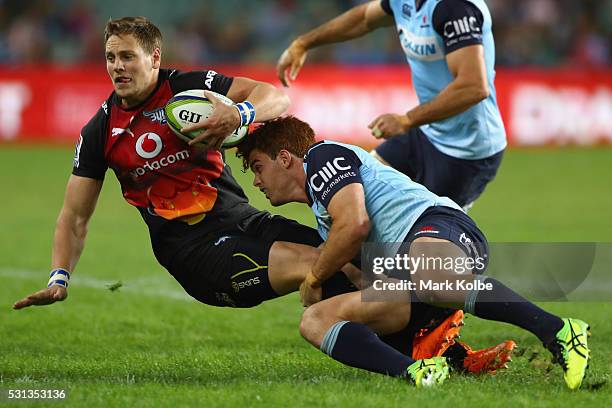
150	145
145	148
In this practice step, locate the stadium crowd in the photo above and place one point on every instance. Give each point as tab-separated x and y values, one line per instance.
528	32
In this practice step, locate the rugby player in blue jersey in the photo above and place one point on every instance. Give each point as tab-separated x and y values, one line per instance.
357	200
220	249
453	141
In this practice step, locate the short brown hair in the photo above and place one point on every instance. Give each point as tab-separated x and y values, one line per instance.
288	133
146	33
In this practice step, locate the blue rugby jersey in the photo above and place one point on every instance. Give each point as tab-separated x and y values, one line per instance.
394	202
428	31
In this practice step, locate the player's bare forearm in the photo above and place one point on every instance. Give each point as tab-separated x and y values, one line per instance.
71	228
349	229
269	102
469	86
354	23
342	245
454	99
68	241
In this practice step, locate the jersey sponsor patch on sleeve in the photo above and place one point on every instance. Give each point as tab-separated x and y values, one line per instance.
459	23
330	167
210	80
210	75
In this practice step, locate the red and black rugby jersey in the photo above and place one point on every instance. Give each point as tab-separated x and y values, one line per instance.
169	181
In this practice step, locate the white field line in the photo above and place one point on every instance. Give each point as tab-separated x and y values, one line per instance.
141	286
594	289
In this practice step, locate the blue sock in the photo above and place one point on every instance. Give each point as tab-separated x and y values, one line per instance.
355	345
502	304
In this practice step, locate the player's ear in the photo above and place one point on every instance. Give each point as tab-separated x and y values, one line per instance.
284	158
156	58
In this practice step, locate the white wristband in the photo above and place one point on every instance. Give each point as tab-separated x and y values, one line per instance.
59	277
246	110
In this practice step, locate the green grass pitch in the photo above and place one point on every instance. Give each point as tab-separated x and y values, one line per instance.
147	344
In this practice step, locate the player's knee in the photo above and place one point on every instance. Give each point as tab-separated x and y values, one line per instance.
311	323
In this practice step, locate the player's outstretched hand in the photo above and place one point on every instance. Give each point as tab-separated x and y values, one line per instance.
291	59
46	296
219	125
389	125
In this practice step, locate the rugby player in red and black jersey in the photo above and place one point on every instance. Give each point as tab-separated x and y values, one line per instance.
203	231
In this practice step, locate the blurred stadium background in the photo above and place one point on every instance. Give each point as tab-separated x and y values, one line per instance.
147	344
553	58
528	32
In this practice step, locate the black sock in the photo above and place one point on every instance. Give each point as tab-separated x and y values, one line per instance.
355	345
504	305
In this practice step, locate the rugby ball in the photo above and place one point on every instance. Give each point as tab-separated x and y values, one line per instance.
192	106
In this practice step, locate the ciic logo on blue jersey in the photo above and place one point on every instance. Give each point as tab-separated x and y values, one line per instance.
327	172
461	26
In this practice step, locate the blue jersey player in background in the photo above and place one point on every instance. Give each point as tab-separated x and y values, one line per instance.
453	141
359	204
